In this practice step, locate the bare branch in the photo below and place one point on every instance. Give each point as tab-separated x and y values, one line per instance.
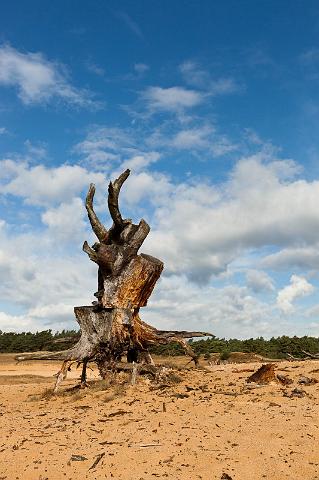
311	355
113	198
97	227
140	235
183	334
91	253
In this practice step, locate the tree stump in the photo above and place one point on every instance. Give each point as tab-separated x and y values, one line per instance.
265	374
126	279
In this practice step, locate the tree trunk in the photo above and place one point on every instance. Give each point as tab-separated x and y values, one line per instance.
112	326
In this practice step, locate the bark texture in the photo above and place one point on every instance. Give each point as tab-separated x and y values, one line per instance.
265	374
126	279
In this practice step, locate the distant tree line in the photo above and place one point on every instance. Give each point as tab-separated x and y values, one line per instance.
275	347
34	342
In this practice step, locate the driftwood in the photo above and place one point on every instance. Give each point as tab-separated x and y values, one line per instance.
126	279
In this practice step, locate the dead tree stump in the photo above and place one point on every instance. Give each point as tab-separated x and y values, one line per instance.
264	375
126	279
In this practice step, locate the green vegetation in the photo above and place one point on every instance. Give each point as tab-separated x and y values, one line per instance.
273	348
34	342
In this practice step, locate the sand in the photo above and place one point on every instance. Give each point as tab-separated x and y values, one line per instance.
209	426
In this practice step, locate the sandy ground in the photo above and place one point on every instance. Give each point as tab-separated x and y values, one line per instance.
209	426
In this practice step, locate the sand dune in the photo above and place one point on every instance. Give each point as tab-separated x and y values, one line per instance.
211	425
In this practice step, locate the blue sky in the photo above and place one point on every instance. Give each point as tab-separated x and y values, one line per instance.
214	107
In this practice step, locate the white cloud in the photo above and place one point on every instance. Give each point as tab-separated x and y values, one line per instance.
193	138
223	86
3	131
39	274
198	229
230	311
153	188
35	151
196	76
299	287
203	138
193	74
40	185
313	312
301	257
141	68
259	281
171	99
140	162
39	80
261	205
104	146
66	222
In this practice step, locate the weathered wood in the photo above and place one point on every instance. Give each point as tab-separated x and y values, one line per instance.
126	280
134	284
97	227
265	374
113	198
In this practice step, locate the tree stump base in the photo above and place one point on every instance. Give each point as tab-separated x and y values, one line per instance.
126	279
264	375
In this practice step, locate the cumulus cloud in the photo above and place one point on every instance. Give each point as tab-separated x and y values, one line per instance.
199	229
66	222
301	257
140	162
193	138
35	151
259	281
39	80
203	138
261	205
299	287
43	278
171	99
104	146
108	148
229	311
41	185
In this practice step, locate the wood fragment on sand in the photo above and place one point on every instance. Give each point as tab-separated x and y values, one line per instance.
97	460
264	375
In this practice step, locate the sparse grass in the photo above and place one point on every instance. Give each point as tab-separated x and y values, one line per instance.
117	392
115	385
47	394
174	378
173	365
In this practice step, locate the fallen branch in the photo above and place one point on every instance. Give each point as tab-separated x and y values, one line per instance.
97	460
311	355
